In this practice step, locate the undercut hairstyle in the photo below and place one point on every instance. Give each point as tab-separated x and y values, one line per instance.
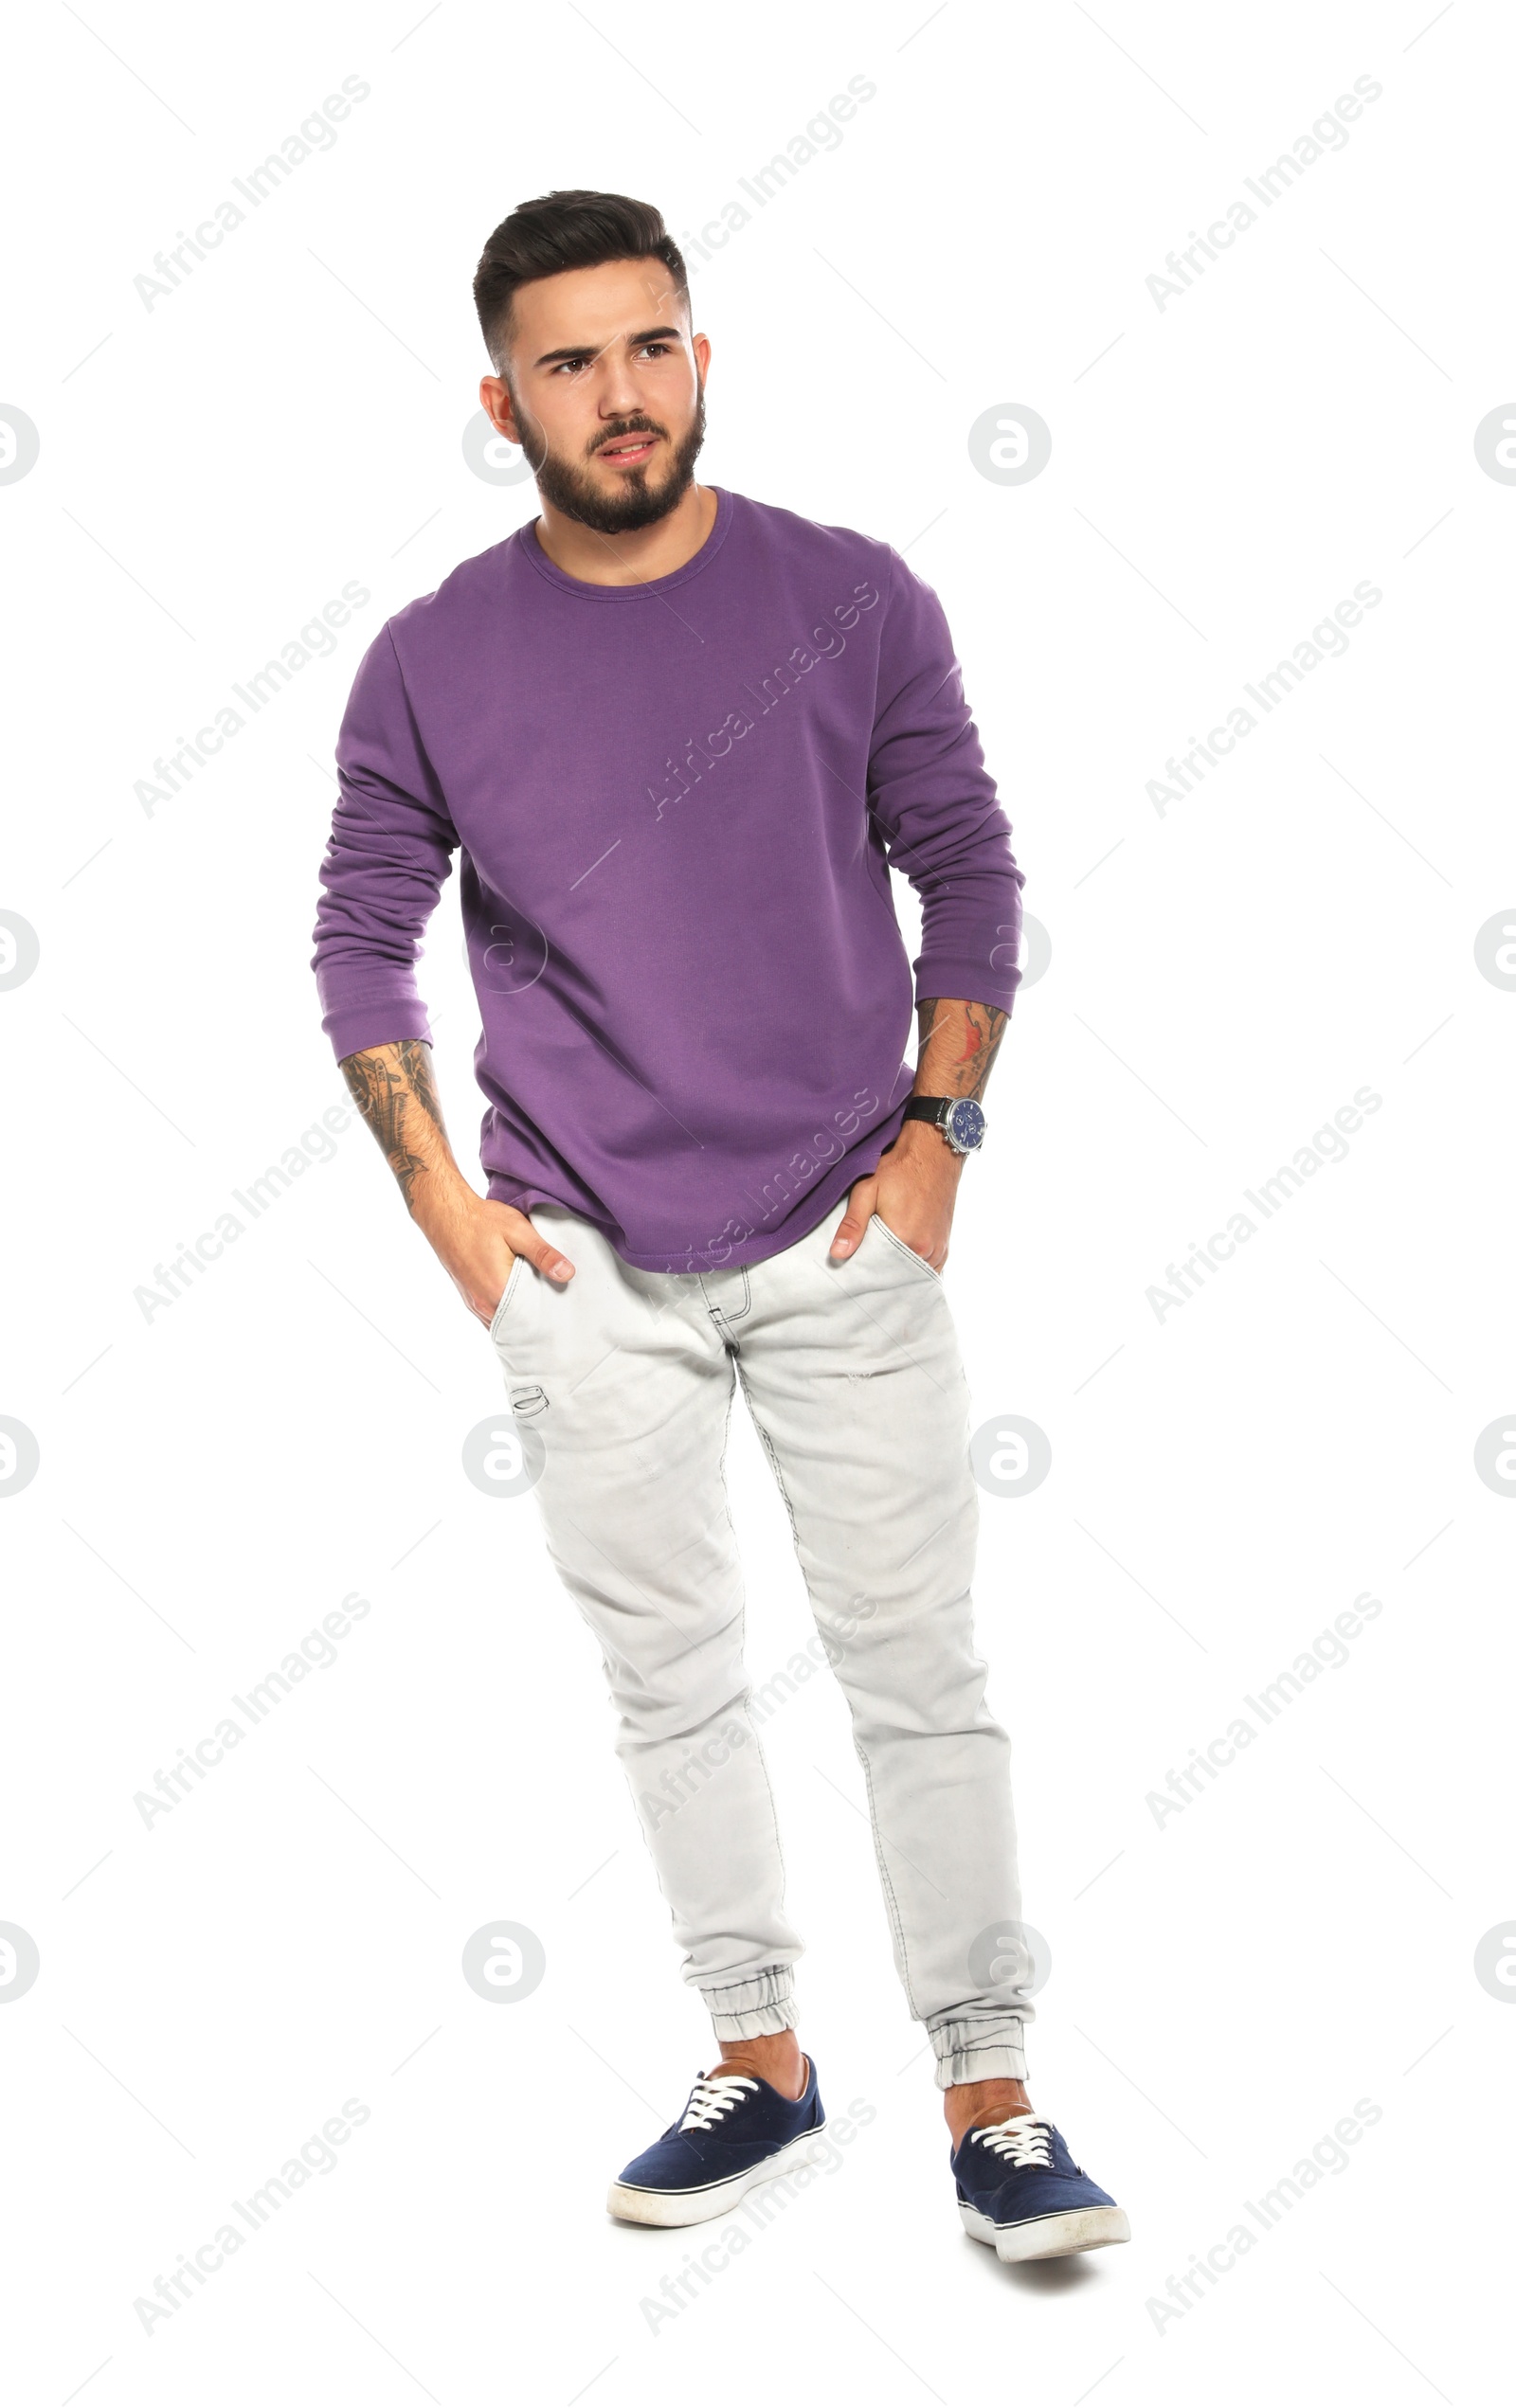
565	230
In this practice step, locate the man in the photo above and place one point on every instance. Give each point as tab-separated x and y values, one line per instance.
678	738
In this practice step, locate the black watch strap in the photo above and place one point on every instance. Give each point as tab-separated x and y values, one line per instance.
959	1118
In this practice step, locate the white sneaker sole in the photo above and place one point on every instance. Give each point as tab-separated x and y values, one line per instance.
1048	2236
633	2206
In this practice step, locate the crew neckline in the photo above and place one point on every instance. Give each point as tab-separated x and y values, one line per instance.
581	586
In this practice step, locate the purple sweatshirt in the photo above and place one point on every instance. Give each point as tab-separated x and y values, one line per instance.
675	804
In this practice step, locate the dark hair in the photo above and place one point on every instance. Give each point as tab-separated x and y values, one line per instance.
565	230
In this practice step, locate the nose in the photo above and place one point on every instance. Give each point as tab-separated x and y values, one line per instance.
617	396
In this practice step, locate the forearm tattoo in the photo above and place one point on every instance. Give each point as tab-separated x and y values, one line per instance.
968	1066
395	1093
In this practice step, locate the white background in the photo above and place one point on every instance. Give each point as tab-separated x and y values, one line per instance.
215	1478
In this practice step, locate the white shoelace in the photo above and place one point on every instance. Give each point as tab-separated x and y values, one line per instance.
1022	2138
713	2098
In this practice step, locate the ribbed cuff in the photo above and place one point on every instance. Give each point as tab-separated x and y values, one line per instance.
980	2048
745	2010
358	1028
966	979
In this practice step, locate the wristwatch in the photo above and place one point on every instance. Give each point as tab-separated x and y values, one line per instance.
959	1118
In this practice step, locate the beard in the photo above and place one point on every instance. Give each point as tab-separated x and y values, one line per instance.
637	499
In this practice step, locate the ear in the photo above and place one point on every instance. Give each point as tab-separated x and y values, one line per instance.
494	399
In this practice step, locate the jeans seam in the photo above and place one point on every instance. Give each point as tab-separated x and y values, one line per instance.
909	1251
718	1312
507	1292
771	1451
886	1884
741	1627
891	1904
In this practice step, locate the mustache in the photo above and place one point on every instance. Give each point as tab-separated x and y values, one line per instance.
619	433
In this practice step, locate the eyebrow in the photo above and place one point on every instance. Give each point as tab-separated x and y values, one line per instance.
591	350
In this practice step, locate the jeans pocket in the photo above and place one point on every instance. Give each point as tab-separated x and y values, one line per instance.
517	1267
901	1247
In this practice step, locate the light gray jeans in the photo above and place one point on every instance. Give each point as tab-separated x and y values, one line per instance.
851	1372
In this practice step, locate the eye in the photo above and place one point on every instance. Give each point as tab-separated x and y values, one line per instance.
574	364
659	351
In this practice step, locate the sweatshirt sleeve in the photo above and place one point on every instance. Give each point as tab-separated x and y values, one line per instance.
391	849
934	802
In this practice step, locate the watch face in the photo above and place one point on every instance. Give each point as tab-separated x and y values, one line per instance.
965	1125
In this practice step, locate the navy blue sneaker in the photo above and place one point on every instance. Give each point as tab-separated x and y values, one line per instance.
736	2131
1020	2191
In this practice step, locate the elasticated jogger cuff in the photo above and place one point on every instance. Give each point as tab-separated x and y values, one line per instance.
744	2010
979	2048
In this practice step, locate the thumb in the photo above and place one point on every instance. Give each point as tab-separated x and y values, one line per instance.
526	1240
850	1230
